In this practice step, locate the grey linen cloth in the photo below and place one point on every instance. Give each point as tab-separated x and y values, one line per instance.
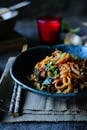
41	108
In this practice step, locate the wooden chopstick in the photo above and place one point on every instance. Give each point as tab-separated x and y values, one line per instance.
16	96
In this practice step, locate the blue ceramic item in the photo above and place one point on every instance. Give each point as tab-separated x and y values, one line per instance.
25	62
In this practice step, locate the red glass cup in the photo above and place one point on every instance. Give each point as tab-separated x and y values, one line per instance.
49	29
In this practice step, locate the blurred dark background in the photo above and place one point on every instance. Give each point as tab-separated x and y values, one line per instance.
37	8
72	10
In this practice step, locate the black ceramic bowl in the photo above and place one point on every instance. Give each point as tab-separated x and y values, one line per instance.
25	62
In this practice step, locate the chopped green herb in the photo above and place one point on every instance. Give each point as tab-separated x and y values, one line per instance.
63	55
74	56
50	66
55	73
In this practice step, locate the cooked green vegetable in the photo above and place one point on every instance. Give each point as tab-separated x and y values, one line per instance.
74	56
50	66
63	55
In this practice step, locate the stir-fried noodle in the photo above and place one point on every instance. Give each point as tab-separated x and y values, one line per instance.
61	73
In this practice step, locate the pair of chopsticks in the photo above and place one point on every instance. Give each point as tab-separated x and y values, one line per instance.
14	109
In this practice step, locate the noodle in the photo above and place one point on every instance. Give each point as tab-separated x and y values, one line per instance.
57	73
